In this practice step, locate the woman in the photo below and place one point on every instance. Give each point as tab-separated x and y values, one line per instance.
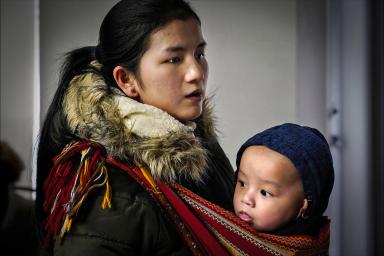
135	101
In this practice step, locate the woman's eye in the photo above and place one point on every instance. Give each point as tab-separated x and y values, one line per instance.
265	193
200	56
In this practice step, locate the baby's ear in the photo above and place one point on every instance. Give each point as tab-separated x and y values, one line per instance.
303	209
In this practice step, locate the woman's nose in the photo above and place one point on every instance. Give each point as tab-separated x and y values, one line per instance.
195	72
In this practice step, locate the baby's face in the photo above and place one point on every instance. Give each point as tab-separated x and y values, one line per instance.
269	192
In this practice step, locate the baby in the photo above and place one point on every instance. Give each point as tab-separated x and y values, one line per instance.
284	179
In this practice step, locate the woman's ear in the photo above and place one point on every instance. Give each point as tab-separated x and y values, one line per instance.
126	81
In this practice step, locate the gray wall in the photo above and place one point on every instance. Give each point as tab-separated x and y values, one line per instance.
57	35
252	56
17	79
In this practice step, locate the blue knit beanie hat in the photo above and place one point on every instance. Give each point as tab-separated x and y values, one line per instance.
309	151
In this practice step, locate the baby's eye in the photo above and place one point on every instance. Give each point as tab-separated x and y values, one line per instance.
265	193
241	183
174	60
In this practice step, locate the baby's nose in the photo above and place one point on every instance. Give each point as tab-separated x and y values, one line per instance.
248	200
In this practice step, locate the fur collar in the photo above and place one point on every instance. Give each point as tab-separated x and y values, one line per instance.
130	130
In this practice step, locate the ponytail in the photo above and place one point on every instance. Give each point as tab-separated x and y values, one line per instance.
55	134
75	63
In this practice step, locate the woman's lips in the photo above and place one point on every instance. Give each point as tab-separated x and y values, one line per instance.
245	217
198	96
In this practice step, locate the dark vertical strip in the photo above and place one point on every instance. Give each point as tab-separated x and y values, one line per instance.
377	105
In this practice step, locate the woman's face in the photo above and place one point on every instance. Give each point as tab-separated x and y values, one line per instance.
269	192
173	71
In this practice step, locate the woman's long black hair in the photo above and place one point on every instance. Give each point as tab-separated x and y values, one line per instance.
123	39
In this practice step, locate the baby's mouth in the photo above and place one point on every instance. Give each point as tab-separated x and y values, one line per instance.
245	217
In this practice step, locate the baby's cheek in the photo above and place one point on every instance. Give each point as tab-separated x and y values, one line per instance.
262	217
235	203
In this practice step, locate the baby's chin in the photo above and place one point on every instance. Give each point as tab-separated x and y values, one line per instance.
259	227
263	228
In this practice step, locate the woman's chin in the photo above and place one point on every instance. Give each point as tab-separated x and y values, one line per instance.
188	116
